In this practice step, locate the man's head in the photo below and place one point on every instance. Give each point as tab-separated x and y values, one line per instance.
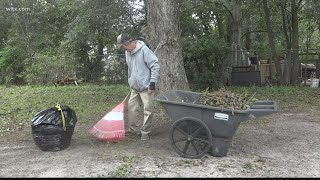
124	41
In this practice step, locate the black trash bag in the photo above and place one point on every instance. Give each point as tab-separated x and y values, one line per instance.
52	132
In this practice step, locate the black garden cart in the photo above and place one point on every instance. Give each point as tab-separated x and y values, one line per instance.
198	129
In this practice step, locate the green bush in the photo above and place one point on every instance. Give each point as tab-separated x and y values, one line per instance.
11	65
205	61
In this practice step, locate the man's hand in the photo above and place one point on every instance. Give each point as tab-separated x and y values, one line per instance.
151	88
150	91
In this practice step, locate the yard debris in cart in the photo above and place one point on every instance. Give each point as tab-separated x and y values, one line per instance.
226	99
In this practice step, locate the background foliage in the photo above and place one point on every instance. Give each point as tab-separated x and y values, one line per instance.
55	39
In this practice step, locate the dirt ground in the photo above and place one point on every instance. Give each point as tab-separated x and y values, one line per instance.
278	145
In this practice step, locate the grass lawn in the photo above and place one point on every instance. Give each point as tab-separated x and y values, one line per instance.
90	102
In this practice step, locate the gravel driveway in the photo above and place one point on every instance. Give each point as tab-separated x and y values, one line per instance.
278	145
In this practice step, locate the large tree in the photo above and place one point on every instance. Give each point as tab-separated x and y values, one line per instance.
295	41
163	34
271	37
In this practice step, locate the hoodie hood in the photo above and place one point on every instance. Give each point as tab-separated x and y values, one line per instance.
139	45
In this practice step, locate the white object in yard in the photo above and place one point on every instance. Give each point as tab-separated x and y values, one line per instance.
221	116
314	83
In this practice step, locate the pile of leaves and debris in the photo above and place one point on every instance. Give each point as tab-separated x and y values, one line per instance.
227	99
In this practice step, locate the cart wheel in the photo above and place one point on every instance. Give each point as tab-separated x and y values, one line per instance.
190	138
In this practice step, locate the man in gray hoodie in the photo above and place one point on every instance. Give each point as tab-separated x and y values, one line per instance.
143	74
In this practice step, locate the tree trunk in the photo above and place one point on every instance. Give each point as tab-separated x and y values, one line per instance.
288	65
318	67
98	64
220	26
271	43
163	33
287	34
247	39
236	33
233	39
295	43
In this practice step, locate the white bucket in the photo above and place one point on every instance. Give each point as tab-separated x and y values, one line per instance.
314	83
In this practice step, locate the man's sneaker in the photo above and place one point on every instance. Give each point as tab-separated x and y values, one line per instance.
132	133
144	136
127	133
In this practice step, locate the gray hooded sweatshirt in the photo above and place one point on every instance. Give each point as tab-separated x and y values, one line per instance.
143	67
